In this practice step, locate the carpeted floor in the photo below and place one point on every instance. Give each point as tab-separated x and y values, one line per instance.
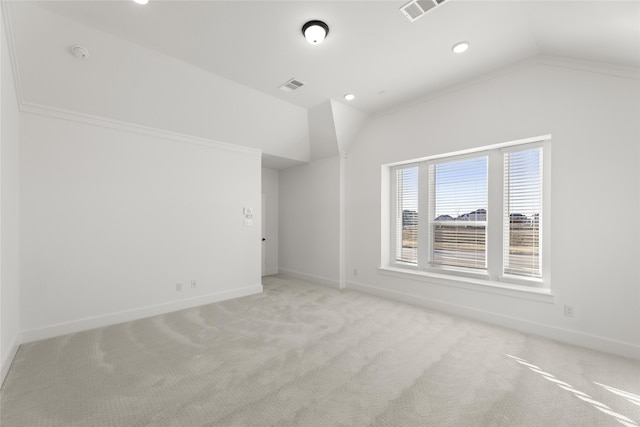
306	355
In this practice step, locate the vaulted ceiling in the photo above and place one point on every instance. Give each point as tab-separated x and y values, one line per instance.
372	51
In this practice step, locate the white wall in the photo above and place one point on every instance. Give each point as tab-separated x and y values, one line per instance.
9	212
593	117
310	221
271	191
111	221
126	82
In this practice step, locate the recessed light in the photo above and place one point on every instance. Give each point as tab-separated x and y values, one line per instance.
460	47
79	52
349	97
141	1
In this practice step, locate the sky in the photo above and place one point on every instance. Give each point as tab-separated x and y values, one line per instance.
461	185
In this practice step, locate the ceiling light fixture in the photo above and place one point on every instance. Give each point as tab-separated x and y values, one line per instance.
460	47
141	1
349	97
315	31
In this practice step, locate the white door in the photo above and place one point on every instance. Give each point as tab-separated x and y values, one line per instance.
264	234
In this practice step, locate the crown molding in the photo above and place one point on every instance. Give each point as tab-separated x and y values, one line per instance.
62	114
545	60
589	66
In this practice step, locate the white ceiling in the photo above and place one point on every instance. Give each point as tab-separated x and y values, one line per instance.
372	50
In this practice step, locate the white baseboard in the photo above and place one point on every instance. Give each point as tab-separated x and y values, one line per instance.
559	334
311	278
7	359
135	314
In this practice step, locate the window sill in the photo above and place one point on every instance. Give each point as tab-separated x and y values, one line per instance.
474	284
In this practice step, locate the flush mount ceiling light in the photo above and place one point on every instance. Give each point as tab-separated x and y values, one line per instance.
315	31
349	97
141	1
460	47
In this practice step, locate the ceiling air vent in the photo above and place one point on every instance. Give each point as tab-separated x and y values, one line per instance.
291	85
416	8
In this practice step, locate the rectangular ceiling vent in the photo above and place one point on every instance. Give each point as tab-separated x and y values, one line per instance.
417	8
291	85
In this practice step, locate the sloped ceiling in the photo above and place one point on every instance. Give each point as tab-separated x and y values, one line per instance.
126	83
372	47
155	57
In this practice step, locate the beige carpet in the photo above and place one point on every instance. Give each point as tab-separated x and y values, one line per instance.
306	355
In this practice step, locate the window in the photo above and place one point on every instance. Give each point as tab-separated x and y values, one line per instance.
478	214
458	213
522	208
407	215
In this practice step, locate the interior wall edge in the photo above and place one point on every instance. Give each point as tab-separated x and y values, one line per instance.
6	15
566	336
5	364
9	286
135	314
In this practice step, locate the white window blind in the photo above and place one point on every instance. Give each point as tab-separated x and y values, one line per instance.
480	214
458	213
407	215
523	212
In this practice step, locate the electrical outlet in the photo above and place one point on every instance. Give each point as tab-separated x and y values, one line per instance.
568	310
193	284
178	287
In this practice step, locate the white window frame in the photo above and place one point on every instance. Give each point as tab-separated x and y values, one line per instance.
493	276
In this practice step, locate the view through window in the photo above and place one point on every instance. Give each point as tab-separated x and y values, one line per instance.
458	213
523	204
442	211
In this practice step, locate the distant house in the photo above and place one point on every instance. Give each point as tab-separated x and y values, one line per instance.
409	218
516	218
478	215
444	218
